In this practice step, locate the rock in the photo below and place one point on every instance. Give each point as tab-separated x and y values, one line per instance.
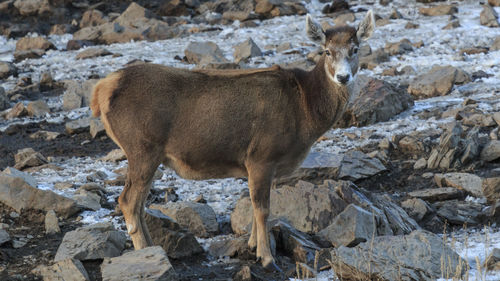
445	155
68	269
438	194
439	10
229	247
7	69
77	94
244	274
92	18
46	135
336	6
489	17
29	179
468	182
32	7
28	157
92	242
198	218
293	242
357	165
51	223
492	262
398	48
437	82
17	111
30	43
420	164
399	221
351	227
387	258
246	50
374	101
495	46
460	212
491	151
29	54
452	24
150	264
317	165
315	207
206	51
4	237
373	59
19	195
96	127
395	14
491	189
93	53
494	3
88	200
78	44
473	50
165	232
77	126
115	155
416	208
38	108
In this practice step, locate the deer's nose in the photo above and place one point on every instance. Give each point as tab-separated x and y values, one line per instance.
343	78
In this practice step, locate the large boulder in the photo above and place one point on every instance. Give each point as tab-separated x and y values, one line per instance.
148	264
374	101
198	218
168	234
91	242
417	256
314	208
437	82
16	193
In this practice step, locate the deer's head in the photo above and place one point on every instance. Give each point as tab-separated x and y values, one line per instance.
340	47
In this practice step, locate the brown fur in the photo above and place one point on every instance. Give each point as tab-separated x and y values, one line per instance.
256	123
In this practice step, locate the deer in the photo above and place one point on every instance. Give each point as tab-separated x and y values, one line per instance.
254	123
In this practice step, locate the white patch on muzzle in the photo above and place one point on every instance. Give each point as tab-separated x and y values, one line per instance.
342	68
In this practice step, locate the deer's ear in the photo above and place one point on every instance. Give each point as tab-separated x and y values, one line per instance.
314	30
366	26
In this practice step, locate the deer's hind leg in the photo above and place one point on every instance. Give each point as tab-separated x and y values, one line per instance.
141	169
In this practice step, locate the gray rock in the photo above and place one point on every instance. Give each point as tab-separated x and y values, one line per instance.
489	17
206	51
460	212
93	53
19	195
177	242
438	194
4	236
492	262
18	174
373	59
351	227
28	157
96	127
314	208
420	164
491	189
388	258
399	221
464	181
77	93
198	218
91	242
317	165
491	151
293	242
4	100
51	223
439	10
495	46
229	247
374	101
78	126
149	264
87	200
65	270
38	108
357	165
416	208
398	48
246	50
437	82
446	153
7	69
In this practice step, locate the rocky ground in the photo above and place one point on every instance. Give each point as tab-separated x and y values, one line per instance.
412	167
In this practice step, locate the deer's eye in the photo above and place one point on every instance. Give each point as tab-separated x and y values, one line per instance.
353	51
327	52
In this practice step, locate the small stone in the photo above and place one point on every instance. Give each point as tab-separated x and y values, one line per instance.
69	269
489	17
206	51
93	53
491	151
46	135
28	157
438	194
416	208
115	155
246	50
4	236
30	43
244	274
51	223
452	24
17	111
439	10
77	126
420	164
38	108
96	128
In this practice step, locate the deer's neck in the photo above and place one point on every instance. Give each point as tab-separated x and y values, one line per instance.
324	99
